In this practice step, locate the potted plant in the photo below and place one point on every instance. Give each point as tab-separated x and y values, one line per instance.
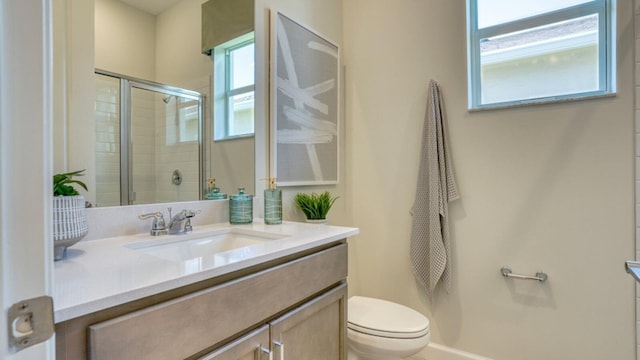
315	206
69	213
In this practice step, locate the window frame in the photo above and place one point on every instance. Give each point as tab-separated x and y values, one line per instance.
605	9
223	93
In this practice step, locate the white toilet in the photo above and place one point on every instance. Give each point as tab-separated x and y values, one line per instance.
383	330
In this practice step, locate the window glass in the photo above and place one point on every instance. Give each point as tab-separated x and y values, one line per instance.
241	114
233	88
494	12
242	59
550	60
181	118
188	119
538	51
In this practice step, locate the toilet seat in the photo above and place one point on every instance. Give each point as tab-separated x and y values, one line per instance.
386	319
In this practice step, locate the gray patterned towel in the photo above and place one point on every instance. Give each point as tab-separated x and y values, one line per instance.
430	250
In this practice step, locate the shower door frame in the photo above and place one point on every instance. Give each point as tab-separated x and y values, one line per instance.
127	83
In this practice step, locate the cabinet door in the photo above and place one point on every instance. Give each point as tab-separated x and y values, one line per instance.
253	346
314	331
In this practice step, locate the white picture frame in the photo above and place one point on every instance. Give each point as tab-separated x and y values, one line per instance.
305	105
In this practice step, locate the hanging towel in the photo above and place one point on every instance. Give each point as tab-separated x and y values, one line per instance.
430	250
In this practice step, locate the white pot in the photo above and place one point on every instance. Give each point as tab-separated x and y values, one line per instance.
317	221
69	223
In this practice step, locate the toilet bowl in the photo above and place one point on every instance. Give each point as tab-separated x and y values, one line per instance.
382	330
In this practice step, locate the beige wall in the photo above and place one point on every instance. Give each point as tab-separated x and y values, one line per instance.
125	40
178	58
546	187
74	90
543	188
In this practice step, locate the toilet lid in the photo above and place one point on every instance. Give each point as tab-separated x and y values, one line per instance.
384	318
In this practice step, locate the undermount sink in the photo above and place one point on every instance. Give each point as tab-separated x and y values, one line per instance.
191	246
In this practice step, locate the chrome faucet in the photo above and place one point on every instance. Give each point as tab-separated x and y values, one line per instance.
158	226
175	225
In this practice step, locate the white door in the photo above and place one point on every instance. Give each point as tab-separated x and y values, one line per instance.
26	254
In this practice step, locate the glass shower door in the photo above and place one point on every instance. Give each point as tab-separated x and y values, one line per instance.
149	145
165	147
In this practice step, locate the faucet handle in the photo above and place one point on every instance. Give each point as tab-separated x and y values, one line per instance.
191	213
158	226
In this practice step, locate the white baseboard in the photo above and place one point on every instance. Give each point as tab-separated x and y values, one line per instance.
435	351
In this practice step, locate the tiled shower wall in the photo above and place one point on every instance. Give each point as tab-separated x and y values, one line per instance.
107	141
144	153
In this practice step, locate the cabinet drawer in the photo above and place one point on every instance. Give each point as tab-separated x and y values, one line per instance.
187	325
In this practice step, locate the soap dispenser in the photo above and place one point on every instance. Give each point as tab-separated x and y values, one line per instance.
241	208
272	203
213	192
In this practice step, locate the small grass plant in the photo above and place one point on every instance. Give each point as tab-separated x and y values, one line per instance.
315	206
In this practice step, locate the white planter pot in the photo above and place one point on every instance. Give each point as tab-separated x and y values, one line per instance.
69	223
317	221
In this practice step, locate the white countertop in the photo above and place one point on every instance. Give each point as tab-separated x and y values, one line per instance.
98	274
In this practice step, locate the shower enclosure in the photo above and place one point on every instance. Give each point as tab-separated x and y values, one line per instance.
149	146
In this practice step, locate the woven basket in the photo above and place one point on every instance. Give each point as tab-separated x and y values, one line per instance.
69	222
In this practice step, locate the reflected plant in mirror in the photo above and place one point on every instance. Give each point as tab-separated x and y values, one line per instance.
69	214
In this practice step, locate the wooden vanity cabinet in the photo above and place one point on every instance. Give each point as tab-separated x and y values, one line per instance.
293	307
311	331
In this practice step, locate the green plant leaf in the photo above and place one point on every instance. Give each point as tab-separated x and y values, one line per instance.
315	206
62	183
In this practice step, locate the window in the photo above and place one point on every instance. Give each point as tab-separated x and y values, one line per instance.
182	117
234	88
188	115
537	51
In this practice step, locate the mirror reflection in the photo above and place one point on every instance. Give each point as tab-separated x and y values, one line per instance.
160	42
146	132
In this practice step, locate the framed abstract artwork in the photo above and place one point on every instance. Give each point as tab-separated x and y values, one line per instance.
305	107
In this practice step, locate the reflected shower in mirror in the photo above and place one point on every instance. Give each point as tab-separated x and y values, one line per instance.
147	142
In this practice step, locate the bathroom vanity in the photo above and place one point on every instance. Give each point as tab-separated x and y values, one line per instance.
267	289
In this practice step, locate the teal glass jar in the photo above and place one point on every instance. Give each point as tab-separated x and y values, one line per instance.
215	194
241	208
272	206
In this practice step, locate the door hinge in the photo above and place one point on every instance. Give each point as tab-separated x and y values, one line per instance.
30	322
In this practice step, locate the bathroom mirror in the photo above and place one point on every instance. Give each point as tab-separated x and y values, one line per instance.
150	40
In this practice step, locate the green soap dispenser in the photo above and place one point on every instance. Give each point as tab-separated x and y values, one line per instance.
213	192
272	203
241	208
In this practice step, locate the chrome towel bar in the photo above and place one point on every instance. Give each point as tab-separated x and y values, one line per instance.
540	276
